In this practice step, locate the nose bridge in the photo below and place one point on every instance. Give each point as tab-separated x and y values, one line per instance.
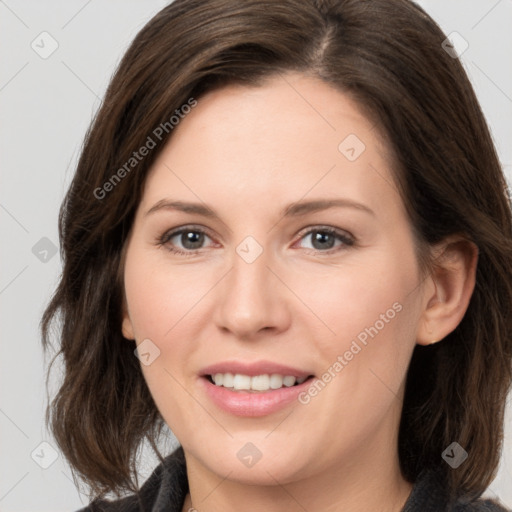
249	275
250	299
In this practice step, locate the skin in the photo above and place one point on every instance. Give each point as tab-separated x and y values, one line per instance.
247	153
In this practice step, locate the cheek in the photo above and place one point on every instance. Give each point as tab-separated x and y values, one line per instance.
161	298
167	305
371	310
360	299
161	307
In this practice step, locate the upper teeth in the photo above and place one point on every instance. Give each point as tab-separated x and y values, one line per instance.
256	383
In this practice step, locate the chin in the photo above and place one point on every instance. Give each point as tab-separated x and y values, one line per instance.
256	462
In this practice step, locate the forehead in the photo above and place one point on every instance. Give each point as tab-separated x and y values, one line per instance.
294	135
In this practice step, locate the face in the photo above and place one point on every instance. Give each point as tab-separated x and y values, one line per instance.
271	251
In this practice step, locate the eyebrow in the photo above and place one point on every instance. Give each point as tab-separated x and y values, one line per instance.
292	210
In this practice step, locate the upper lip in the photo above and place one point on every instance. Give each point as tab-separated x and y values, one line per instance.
253	368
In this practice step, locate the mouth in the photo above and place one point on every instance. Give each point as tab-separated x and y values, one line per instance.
253	389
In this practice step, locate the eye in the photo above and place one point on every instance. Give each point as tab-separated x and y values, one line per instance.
187	240
327	239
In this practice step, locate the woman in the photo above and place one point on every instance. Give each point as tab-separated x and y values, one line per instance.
288	239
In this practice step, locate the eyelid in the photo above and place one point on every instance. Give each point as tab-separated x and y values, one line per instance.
186	227
325	227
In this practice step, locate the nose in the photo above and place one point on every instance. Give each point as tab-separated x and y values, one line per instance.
251	299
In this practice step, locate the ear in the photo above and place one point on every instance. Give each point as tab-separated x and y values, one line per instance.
448	289
126	326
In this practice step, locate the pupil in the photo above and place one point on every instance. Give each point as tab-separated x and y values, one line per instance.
323	237
192	239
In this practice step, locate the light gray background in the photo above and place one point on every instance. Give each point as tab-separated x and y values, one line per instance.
47	105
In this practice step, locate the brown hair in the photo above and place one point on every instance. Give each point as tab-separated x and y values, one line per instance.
388	55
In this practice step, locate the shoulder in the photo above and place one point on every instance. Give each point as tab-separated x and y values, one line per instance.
429	494
164	490
481	505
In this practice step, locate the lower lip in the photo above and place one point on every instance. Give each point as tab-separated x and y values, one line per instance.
262	403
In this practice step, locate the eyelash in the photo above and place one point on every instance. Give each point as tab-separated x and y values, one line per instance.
162	241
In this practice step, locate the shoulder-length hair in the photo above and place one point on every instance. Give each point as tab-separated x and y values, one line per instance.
388	56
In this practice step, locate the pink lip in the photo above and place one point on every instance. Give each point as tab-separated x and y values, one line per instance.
252	369
252	404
